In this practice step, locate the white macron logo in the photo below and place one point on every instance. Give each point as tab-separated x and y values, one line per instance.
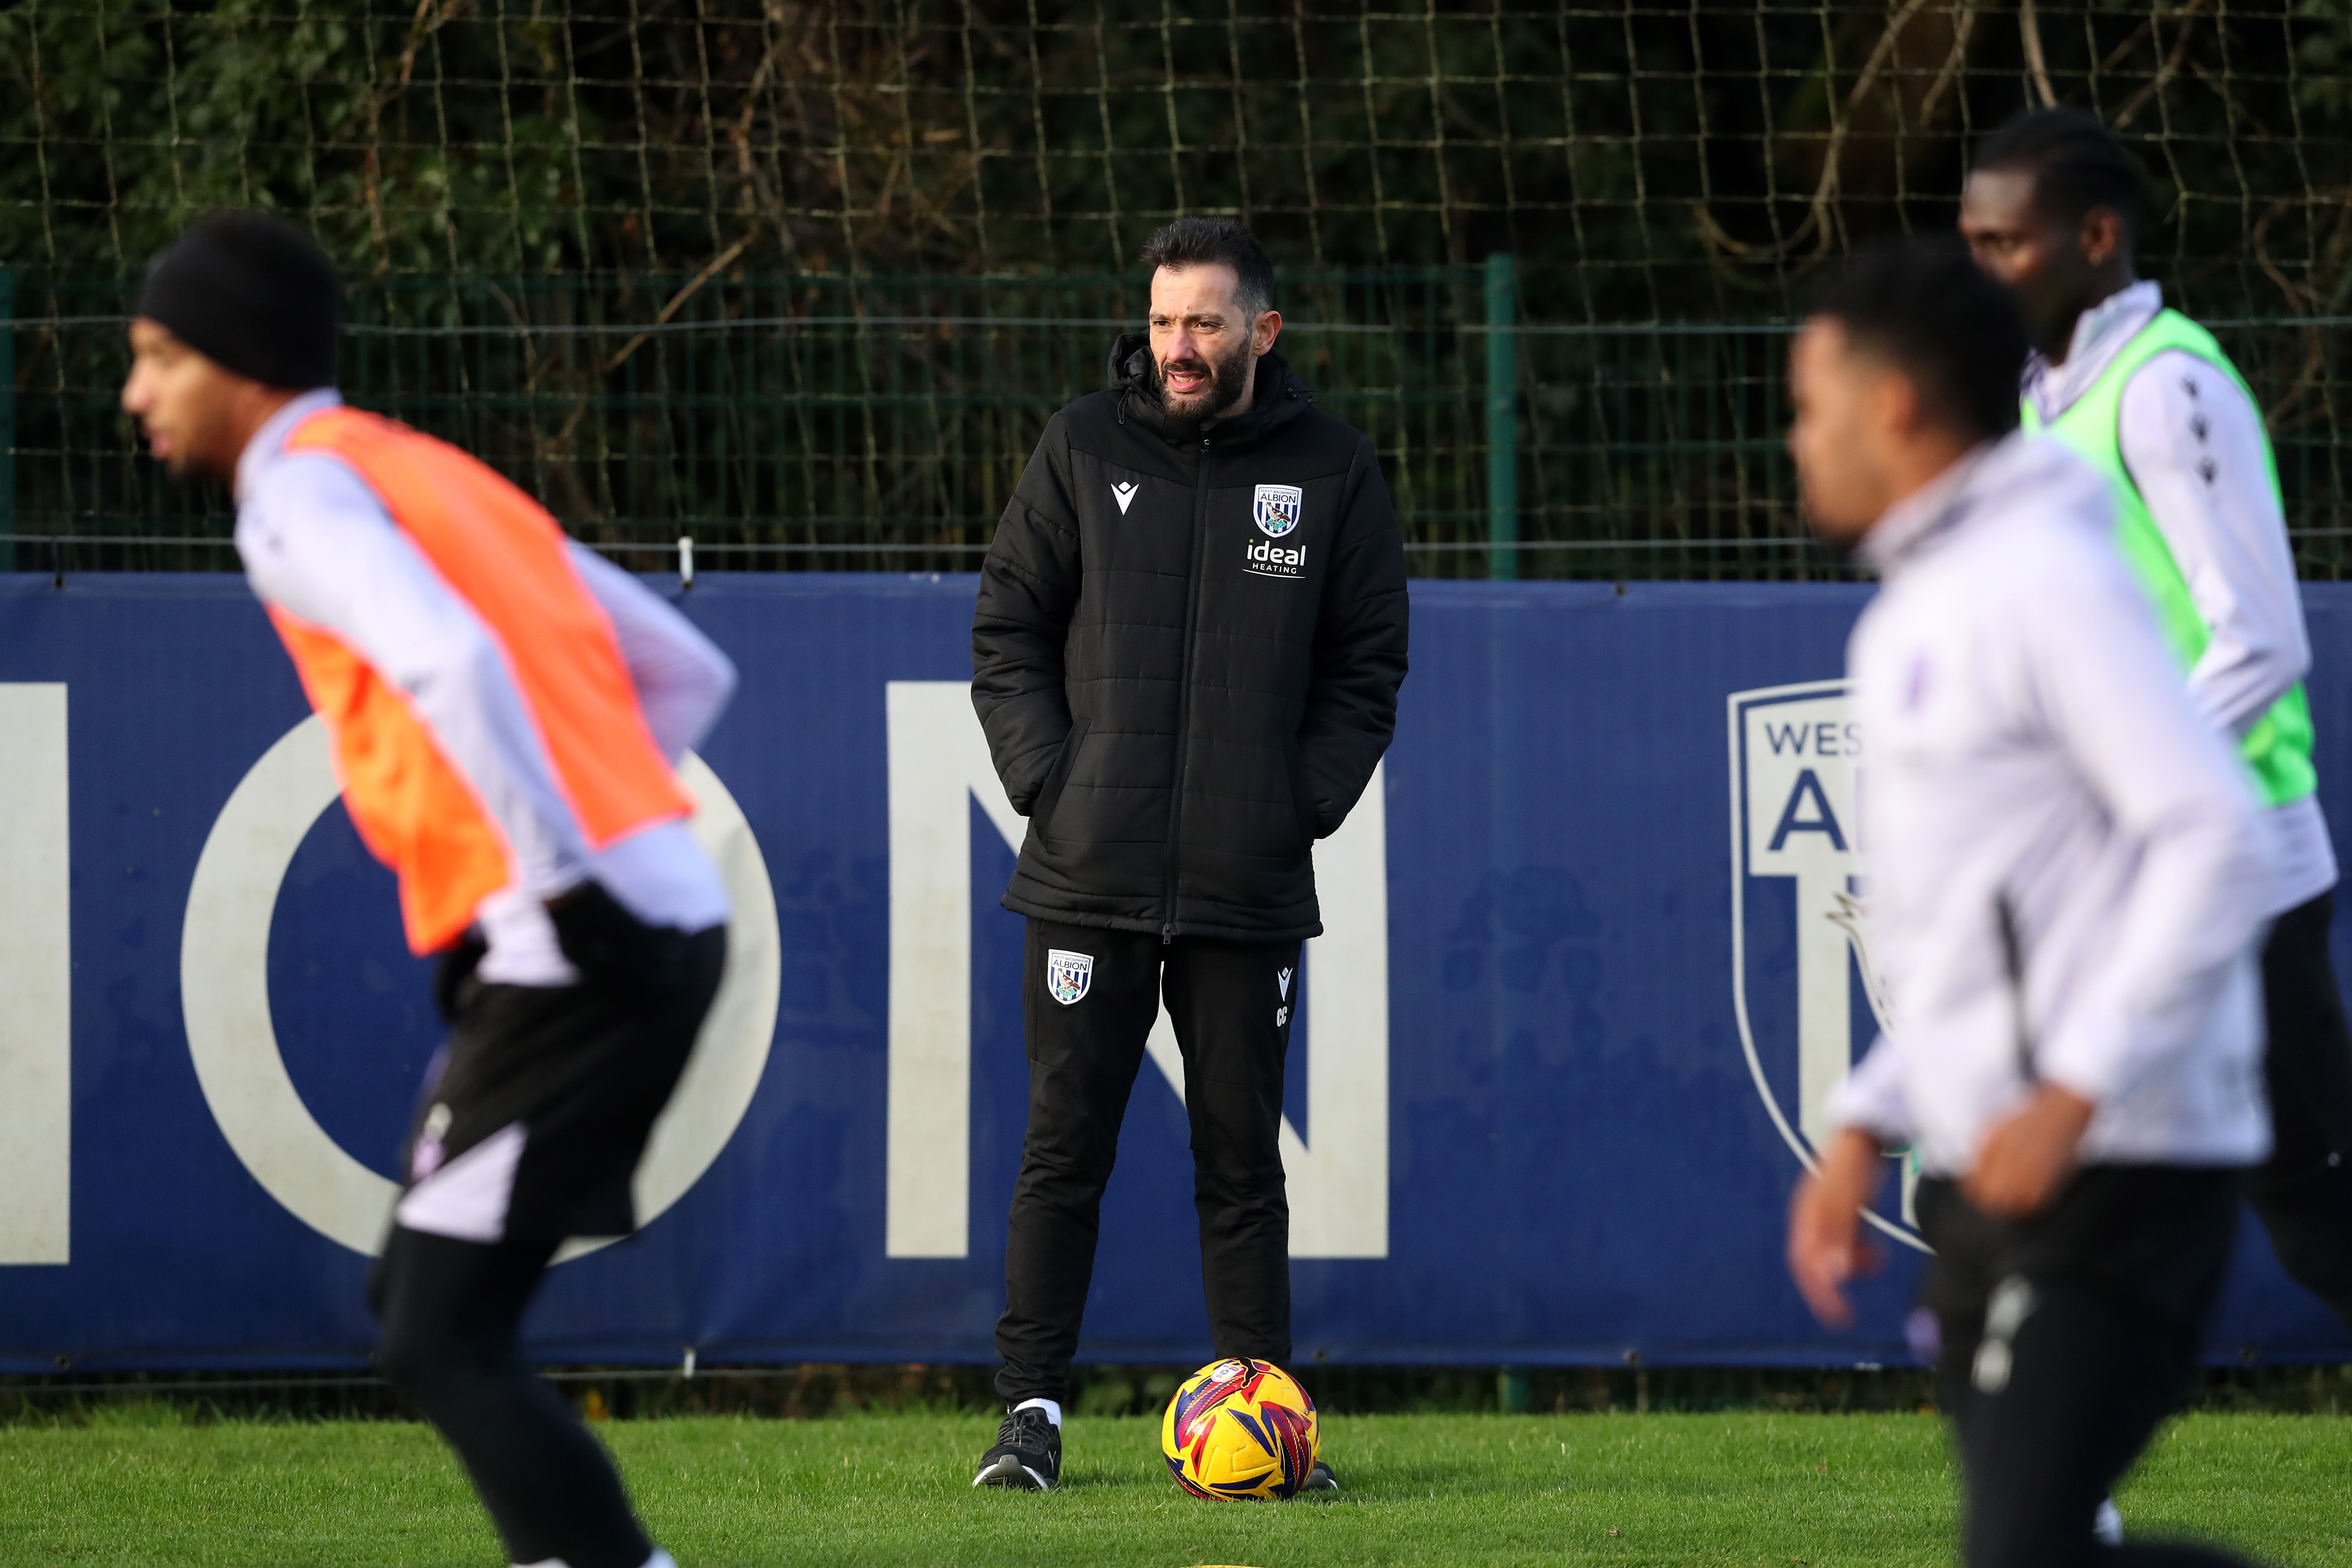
1123	493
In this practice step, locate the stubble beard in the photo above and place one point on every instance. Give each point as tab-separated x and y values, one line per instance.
1228	379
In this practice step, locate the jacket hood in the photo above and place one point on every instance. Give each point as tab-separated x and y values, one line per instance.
1280	397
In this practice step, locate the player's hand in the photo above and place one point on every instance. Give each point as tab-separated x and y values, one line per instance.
611	947
2029	1153
1826	1247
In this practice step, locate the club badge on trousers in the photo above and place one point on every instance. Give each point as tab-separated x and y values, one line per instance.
1068	975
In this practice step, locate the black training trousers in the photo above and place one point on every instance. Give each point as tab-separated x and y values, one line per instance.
2304	1193
452	1344
583	1069
2067	1339
1230	1003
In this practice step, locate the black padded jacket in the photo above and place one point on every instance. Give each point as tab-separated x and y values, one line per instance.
1186	656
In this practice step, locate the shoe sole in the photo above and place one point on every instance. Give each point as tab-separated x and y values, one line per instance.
1009	1471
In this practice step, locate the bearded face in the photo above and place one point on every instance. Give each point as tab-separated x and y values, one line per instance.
1204	343
1194	385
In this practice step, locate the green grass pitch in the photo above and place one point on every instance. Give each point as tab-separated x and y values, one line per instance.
1770	1491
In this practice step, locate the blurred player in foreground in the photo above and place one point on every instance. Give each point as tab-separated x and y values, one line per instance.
2066	877
2148	397
506	709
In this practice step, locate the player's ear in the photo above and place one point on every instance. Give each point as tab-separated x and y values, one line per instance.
1898	407
2103	237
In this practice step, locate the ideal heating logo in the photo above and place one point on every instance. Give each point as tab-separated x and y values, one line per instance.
1267	559
1277	510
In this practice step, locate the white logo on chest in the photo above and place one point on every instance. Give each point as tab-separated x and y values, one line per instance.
1123	493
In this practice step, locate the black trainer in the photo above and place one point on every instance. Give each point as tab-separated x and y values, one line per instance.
1028	1453
1320	1479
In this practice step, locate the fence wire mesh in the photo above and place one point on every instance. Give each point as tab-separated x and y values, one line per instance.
805	280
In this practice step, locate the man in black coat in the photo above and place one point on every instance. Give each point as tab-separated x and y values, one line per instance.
1186	654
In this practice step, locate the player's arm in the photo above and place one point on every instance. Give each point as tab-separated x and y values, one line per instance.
683	681
317	544
1361	632
1028	591
2197	450
1827	1248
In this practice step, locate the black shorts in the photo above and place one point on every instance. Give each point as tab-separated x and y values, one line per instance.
534	1117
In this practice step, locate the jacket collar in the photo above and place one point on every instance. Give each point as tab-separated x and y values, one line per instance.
1280	397
2100	334
1908	525
2014	470
268	441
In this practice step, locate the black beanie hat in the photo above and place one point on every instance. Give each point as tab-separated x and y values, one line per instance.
252	293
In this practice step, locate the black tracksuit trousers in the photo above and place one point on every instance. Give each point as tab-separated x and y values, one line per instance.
2304	1195
451	1313
1230	1003
2067	1339
584	1070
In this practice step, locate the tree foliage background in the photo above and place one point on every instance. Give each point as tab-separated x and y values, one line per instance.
881	240
1644	161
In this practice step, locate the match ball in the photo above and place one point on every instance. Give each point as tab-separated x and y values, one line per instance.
1240	1429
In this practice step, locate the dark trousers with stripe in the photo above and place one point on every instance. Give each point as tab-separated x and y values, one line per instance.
2066	1340
2303	1194
583	1071
1230	1003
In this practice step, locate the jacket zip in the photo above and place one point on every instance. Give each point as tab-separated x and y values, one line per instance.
2012	964
1184	693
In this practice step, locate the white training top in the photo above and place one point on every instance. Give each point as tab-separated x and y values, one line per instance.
2195	448
2031	743
318	543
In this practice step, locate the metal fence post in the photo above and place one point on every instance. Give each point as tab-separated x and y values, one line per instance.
1502	419
8	419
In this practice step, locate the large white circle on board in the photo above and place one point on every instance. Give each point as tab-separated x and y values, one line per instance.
224	1002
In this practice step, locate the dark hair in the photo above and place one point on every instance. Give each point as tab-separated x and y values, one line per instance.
1921	305
1212	242
2077	164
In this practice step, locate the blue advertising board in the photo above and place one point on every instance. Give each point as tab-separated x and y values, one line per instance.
1593	963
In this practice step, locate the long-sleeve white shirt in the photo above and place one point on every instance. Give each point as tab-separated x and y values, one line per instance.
2197	450
317	543
2030	743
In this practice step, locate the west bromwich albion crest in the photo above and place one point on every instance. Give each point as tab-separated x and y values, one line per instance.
1278	508
1799	973
1068	975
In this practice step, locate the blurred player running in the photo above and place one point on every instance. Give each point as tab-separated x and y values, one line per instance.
2150	399
506	709
2066	876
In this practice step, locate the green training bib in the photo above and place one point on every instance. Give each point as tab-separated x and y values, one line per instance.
2278	748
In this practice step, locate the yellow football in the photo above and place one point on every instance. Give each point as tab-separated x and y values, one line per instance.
1240	1429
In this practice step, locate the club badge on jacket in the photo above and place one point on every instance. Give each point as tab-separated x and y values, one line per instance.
1276	511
